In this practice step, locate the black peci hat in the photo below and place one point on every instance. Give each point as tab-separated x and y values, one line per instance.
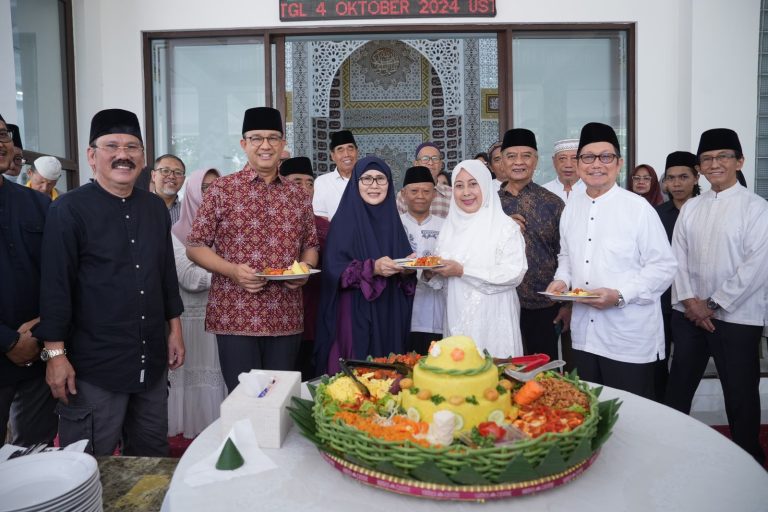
598	132
262	118
418	174
680	158
297	165
342	137
114	120
519	137
719	138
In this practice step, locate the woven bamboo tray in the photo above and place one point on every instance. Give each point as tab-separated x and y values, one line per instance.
521	462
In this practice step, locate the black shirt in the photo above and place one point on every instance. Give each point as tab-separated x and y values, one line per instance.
110	285
22	217
668	214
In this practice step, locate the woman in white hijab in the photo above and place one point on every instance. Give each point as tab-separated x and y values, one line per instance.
484	255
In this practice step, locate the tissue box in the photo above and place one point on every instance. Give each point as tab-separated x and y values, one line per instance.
269	414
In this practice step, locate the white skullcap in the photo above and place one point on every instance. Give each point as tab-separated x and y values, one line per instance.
48	167
565	145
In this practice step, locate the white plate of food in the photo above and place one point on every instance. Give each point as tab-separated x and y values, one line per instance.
570	295
288	277
422	263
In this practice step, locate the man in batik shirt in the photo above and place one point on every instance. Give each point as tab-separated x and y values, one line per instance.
248	221
537	211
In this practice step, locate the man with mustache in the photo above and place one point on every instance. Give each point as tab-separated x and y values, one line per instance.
24	397
110	306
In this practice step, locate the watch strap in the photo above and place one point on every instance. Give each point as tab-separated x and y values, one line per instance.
48	354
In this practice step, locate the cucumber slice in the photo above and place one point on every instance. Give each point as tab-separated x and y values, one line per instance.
413	414
497	416
459	422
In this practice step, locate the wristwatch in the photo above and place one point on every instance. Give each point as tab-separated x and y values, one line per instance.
712	305
621	302
49	353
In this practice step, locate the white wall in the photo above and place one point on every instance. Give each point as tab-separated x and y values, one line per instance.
696	61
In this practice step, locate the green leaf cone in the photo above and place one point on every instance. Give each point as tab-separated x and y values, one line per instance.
230	457
467	475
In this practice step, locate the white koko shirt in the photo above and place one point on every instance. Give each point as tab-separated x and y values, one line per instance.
428	303
616	241
721	245
328	190
558	189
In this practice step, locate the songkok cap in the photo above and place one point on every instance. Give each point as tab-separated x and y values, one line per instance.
598	132
342	137
719	138
680	158
114	120
425	145
566	145
48	167
16	135
418	174
2	118
519	137
297	165
262	118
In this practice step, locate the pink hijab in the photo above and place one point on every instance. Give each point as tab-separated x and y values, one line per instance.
193	196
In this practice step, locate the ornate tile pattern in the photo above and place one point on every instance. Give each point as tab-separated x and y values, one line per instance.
447	58
326	58
301	131
384	70
471	140
489	64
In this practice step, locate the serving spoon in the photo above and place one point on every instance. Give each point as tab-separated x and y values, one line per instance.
526	376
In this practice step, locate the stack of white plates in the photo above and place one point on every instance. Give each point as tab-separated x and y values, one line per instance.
50	482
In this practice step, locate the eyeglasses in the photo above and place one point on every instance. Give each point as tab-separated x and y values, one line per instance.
6	135
19	160
641	178
427	159
380	180
258	140
113	149
706	161
605	158
681	178
165	171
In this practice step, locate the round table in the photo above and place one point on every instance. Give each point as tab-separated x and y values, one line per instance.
657	459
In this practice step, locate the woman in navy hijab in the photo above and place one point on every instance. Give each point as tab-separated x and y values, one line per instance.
366	301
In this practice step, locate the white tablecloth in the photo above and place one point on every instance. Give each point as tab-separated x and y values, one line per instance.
656	460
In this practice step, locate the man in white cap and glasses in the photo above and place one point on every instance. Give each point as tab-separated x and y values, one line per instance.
564	161
44	174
